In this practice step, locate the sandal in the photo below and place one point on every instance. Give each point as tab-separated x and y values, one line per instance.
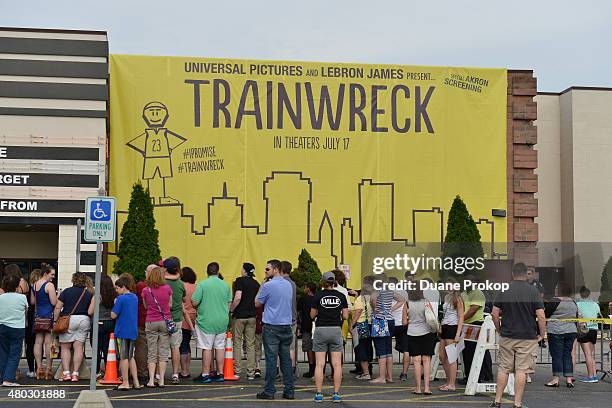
447	388
65	376
417	393
74	377
119	388
49	373
40	373
138	387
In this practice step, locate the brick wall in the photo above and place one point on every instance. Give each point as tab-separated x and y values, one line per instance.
522	160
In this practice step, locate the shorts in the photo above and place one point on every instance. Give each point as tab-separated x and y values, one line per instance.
126	348
401	338
306	342
384	345
152	164
591	337
448	332
207	341
78	329
185	347
422	345
158	342
516	355
177	336
328	339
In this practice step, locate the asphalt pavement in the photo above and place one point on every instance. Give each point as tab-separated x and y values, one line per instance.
355	393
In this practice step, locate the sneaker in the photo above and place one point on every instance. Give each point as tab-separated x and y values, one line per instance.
264	396
318	397
336	397
31	374
593	379
257	373
357	371
495	405
403	377
218	378
288	396
251	377
202	379
364	377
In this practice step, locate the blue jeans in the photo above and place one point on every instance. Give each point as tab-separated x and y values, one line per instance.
277	340
560	346
11	341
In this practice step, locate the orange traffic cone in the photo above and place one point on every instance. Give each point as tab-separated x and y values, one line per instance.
228	363
110	375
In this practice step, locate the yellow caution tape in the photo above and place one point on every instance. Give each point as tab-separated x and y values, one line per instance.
576	320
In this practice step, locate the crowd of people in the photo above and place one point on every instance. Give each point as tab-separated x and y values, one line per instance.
155	320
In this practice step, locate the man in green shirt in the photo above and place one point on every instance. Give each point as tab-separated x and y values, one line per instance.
211	298
173	279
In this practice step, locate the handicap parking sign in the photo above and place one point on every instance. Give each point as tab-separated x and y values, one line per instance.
100	219
100	210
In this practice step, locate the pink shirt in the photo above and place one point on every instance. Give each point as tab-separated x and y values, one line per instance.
189	289
163	294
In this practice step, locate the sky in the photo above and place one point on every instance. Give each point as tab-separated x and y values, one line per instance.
566	43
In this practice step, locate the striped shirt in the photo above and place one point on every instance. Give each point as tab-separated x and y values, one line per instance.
382	310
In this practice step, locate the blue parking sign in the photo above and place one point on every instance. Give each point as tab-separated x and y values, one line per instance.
100	219
100	211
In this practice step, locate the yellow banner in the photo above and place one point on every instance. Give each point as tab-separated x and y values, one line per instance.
253	160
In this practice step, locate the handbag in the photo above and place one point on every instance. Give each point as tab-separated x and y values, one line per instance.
170	325
41	324
63	322
431	319
582	330
363	328
380	327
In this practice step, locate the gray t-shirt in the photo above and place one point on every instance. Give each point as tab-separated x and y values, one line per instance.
561	309
417	324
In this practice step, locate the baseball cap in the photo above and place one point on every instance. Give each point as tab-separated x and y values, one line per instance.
171	265
328	277
248	268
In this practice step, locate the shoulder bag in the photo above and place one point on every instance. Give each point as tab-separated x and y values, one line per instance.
380	327
431	319
363	328
63	322
41	324
170	325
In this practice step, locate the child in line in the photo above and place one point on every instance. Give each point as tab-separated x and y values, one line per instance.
125	313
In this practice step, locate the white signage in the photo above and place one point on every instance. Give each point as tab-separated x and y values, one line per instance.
100	219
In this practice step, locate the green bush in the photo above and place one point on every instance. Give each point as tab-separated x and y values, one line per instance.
462	238
139	244
307	271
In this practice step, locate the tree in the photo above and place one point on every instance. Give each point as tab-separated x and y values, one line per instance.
606	288
306	271
462	239
139	244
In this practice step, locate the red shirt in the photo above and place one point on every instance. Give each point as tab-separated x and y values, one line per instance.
142	312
